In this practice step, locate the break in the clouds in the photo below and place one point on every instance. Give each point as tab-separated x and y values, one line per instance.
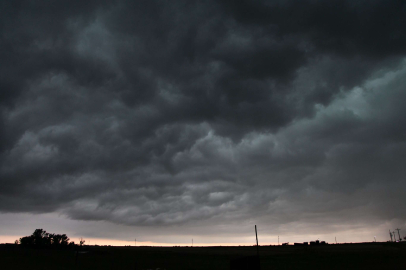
174	113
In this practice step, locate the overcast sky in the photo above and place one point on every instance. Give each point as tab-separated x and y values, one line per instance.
179	119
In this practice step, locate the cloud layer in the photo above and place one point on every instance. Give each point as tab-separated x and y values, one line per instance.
162	113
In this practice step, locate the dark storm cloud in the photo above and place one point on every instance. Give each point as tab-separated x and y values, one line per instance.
373	28
162	112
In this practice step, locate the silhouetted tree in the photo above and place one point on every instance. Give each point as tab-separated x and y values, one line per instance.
40	238
82	241
27	241
59	239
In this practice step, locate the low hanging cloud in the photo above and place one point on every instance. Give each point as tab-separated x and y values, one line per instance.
157	113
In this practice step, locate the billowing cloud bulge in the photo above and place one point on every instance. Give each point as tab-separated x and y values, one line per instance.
157	113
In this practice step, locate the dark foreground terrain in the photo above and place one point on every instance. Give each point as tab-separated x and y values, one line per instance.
341	256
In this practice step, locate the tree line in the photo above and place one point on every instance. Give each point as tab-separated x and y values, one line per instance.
41	238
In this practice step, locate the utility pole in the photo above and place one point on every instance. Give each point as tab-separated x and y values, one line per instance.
400	239
390	234
257	240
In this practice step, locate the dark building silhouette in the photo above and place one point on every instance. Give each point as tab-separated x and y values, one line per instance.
301	244
317	242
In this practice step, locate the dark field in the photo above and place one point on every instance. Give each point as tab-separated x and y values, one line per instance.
341	256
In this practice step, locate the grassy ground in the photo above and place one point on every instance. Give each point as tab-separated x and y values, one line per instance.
344	256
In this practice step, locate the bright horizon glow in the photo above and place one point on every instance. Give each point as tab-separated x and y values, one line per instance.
75	229
113	242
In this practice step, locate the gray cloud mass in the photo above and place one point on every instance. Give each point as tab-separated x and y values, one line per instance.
172	113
